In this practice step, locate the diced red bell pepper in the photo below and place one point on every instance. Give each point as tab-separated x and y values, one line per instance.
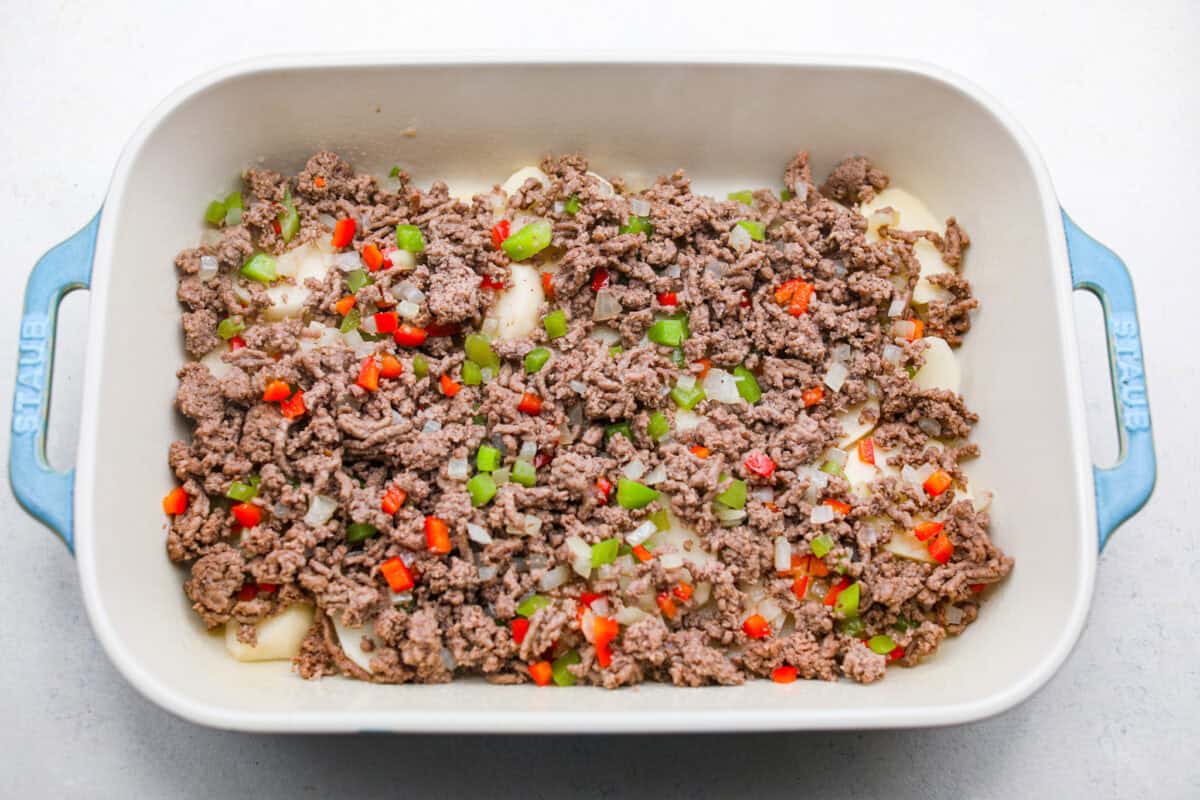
837	505
319	182
705	366
977	587
368	374
918	330
866	450
520	627
937	483
387	321
267	588
548	285
759	464
604	630
500	232
800	586
756	627
683	590
396	573
449	386
343	232
437	329
276	391
667	299
835	590
488	283
372	257
393	498
699	451
896	654
248	592
344	305
666	605
812	396
795	294
604	489
541	672
275	226
600	278
926	530
809	565
390	366
410	335
641	553
530	404
544	456
437	535
941	548
247	514
236	343
294	407
784	674
176	502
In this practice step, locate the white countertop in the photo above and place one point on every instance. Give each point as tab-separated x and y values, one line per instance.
1111	95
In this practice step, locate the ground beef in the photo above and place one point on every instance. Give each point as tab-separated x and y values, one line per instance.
385	455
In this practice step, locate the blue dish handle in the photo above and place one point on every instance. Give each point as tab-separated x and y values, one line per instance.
44	492
1125	487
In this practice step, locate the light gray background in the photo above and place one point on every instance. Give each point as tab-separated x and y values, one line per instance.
1108	90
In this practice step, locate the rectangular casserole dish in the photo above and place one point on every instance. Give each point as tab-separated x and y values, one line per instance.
731	124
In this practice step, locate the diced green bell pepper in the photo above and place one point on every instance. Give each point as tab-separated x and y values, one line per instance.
734	495
661	520
531	604
408	237
356	279
853	627
420	366
631	494
535	359
745	197
618	428
757	230
230	327
572	205
667	332
242	492
821	545
555	323
482	488
487	459
479	350
289	218
637	224
350	321
523	473
472	375
529	241
659	426
687	398
747	384
214	214
605	552
233	209
260	267
359	532
846	604
562	675
882	644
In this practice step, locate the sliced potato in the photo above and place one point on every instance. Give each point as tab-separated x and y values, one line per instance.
677	535
351	641
306	261
857	473
855	429
279	637
913	215
215	364
518	178
904	544
516	310
941	369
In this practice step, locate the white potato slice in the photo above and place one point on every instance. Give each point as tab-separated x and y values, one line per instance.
306	261
677	535
855	429
279	636
516	311
941	369
857	473
351	638
904	544
881	461
327	336
913	215
518	178
212	360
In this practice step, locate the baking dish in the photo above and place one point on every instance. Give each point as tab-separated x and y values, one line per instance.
731	123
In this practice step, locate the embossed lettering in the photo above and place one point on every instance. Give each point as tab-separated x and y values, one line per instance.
1124	326
31	377
25	423
34	327
1137	419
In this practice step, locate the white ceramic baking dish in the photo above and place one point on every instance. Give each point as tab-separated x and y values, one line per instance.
730	124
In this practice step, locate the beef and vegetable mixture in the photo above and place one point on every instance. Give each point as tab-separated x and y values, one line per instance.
576	432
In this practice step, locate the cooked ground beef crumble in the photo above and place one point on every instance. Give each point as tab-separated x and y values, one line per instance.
791	292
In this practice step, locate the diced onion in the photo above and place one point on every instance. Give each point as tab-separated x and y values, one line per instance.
739	239
581	555
837	457
703	590
954	615
730	517
478	534
821	514
355	342
873	387
656	475
208	267
320	510
408	310
528	451
714	268
641	533
769	609
841	353
983	501
603	187
930	427
607	306
603	334
800	191
448	659
686	382
431	426
673	270
765	494
326	220
487	572
500	476
600	607
870	536
578	387
634	470
721	386
347	262
490	327
554	578
904	329
242	293
630	615
533	525
892	354
896	309
639	206
835	376
559	206
402	259
410	293
783	554
671	560
368	325
458	469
